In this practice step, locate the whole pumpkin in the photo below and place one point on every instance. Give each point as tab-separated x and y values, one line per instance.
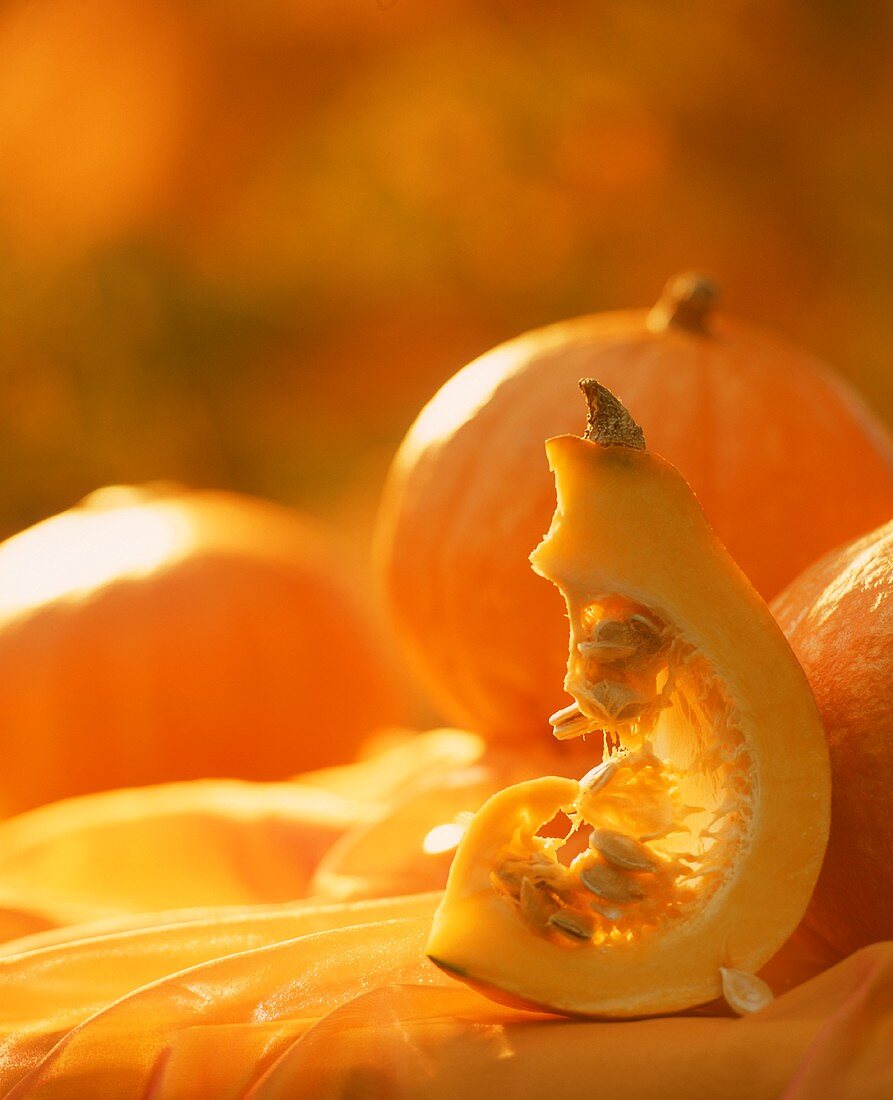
784	459
838	617
153	635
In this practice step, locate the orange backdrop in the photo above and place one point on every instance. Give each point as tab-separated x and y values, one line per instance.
241	243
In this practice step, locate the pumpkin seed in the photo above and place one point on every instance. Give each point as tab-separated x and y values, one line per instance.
744	993
612	640
647	633
613	632
599	776
609	912
616	701
537	902
509	878
610	883
615	641
622	851
539	869
578	925
570	722
604	652
548	872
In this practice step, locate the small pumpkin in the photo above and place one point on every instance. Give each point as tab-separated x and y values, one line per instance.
838	617
152	635
783	458
678	865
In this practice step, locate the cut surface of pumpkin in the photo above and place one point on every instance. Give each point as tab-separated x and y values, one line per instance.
692	848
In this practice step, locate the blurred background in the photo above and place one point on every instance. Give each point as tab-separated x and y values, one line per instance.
242	242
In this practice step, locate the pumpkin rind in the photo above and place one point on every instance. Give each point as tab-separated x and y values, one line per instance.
838	617
628	527
149	635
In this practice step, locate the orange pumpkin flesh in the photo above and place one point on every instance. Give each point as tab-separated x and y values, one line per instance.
710	815
838	617
784	460
148	636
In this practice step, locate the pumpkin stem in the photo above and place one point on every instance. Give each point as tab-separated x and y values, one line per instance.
686	302
607	421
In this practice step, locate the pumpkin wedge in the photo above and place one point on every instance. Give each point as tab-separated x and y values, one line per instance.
684	859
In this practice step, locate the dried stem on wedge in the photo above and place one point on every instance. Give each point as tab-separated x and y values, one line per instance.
607	421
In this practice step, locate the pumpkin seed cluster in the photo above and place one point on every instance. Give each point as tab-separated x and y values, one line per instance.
652	853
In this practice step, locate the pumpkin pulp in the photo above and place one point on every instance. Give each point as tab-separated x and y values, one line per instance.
694	845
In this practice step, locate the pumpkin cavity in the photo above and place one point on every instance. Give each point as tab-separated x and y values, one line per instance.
661	821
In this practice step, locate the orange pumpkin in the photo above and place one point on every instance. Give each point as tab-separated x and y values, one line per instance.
785	461
838	616
149	636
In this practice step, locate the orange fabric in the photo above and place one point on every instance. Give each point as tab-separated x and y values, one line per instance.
116	856
208	842
242	1001
433	1043
357	1007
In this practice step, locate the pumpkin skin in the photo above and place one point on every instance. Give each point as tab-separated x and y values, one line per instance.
785	461
148	636
735	736
838	617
